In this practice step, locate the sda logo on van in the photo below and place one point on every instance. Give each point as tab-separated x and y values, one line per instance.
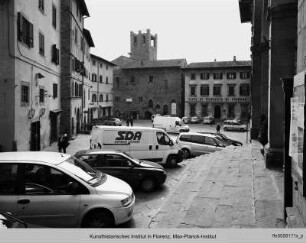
128	137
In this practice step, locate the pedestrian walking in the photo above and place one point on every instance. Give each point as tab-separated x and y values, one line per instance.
218	128
63	143
263	131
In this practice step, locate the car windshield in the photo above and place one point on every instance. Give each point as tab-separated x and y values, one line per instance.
83	171
137	161
221	142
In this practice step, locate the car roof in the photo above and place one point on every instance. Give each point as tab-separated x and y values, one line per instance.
98	151
38	156
129	128
197	133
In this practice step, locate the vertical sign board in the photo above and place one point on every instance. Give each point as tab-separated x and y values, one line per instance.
297	126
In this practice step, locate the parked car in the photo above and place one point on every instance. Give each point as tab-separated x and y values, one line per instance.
208	120
138	173
112	122
186	119
234	125
195	120
194	144
58	190
226	140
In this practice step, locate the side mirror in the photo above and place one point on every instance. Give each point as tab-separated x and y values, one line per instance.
72	188
171	143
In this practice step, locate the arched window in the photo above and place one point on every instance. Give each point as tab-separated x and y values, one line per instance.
94	98
173	107
150	103
101	98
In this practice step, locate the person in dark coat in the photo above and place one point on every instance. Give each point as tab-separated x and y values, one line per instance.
263	131
218	128
63	143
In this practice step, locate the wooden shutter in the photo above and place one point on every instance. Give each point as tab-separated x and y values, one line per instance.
31	35
19	27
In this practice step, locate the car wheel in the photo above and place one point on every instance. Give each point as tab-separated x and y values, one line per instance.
171	161
186	153
148	184
99	219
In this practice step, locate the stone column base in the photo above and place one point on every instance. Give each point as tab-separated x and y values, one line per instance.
273	157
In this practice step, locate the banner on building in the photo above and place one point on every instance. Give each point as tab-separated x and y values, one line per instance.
297	123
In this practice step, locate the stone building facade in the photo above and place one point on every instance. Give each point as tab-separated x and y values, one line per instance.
29	74
73	58
101	92
144	85
218	89
285	22
256	12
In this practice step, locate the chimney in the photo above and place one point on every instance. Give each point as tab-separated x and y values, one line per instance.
234	59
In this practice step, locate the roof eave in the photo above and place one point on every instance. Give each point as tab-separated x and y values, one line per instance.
245	7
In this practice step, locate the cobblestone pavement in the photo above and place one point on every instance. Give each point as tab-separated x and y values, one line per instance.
228	189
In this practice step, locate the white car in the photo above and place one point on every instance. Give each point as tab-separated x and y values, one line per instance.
57	190
208	120
195	144
234	125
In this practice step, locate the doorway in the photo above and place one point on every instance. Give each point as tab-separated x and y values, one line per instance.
35	136
217	113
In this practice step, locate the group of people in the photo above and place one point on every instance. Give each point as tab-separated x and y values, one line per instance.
129	121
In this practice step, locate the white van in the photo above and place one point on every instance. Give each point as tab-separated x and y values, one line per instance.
170	124
139	142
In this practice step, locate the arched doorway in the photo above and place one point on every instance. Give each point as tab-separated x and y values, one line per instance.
217	113
150	103
148	115
165	110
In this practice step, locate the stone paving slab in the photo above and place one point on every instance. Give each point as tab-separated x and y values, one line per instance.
228	189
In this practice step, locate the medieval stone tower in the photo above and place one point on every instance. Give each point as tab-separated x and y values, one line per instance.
143	46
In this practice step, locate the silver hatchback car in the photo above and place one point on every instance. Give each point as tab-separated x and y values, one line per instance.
57	190
194	144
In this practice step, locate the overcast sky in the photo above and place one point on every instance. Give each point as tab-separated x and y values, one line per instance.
198	30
